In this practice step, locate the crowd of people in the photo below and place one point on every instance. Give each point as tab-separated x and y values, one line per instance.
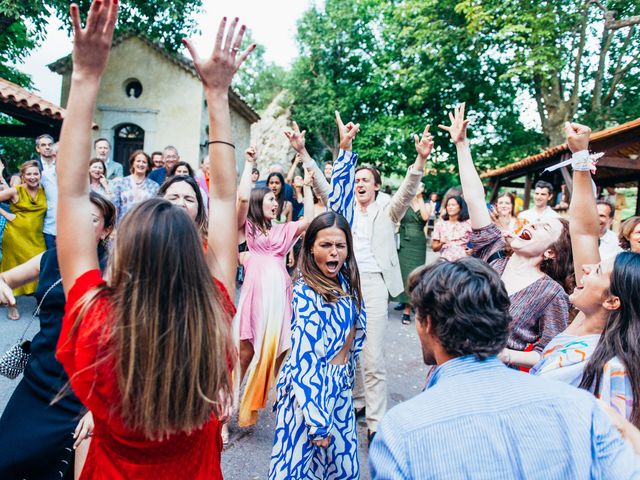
145	351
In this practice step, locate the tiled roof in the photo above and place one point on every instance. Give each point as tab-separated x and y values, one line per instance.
63	65
15	95
559	149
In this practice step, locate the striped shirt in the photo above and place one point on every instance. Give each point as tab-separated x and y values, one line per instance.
482	420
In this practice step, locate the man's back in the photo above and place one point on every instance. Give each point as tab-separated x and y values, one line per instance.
484	420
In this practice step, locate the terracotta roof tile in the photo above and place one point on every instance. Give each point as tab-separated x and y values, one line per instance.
15	95
558	149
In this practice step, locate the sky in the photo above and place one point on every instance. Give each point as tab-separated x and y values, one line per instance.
273	24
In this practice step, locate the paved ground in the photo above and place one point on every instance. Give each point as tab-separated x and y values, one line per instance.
247	455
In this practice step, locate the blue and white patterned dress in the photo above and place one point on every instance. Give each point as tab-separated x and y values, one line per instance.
314	396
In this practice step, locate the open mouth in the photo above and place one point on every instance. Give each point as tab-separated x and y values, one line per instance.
332	266
525	234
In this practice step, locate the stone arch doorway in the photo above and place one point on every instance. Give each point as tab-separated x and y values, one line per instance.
128	138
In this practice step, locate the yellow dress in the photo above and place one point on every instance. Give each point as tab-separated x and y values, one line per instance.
23	238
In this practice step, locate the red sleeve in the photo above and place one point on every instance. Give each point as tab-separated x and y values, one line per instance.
228	304
79	350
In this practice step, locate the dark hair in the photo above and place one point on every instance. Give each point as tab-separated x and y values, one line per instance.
201	217
280	196
255	170
511	198
132	159
101	140
543	184
312	275
255	214
626	229
612	208
377	179
621	335
156	153
172	172
468	305
560	268
107	208
97	160
464	211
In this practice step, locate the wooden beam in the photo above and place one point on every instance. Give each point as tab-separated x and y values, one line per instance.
494	190
568	180
26	131
527	192
619	162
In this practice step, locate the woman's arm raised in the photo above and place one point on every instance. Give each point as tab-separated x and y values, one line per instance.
584	224
91	45
472	187
244	187
216	72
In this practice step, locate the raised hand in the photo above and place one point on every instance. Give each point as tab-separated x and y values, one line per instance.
347	132
250	155
308	177
424	144
217	70
577	136
458	127
91	45
296	138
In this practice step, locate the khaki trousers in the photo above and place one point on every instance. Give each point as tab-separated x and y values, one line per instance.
373	393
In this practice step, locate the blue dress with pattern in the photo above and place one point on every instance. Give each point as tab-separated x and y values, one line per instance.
314	396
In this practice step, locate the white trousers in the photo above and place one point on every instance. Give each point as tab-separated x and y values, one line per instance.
373	393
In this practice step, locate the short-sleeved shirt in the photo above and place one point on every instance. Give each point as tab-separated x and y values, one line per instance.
116	452
539	312
457	235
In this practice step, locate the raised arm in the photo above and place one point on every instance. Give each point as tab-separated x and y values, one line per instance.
76	245
320	184
292	170
341	198
402	199
584	224
471	185
216	72
244	187
309	211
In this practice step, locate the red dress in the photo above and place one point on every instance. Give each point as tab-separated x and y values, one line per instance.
117	452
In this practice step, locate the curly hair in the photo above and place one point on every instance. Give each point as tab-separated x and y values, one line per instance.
468	305
560	268
627	227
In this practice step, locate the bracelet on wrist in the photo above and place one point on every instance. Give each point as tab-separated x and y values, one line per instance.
222	142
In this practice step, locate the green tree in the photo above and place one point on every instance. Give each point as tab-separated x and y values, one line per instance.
258	81
576	58
23	25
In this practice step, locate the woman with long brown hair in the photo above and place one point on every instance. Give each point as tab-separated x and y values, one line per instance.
149	352
537	275
23	238
316	435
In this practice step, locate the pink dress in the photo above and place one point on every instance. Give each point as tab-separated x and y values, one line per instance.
264	311
457	234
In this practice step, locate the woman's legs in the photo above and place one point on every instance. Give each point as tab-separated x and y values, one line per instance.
246	355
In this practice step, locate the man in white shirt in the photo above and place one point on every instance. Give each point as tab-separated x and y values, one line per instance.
609	243
47	159
102	148
541	210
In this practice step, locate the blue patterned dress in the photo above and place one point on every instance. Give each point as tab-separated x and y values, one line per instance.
314	396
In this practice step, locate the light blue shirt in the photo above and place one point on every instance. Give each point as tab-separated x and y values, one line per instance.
114	169
49	182
482	420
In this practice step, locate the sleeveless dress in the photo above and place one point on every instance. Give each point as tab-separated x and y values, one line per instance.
264	311
413	247
23	239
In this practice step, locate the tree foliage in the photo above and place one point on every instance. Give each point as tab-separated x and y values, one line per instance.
258	81
23	25
395	65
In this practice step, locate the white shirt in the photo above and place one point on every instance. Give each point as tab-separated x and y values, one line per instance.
362	239
532	215
609	245
49	182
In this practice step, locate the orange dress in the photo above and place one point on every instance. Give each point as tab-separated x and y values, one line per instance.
116	452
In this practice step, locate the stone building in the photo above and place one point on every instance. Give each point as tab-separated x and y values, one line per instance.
150	98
